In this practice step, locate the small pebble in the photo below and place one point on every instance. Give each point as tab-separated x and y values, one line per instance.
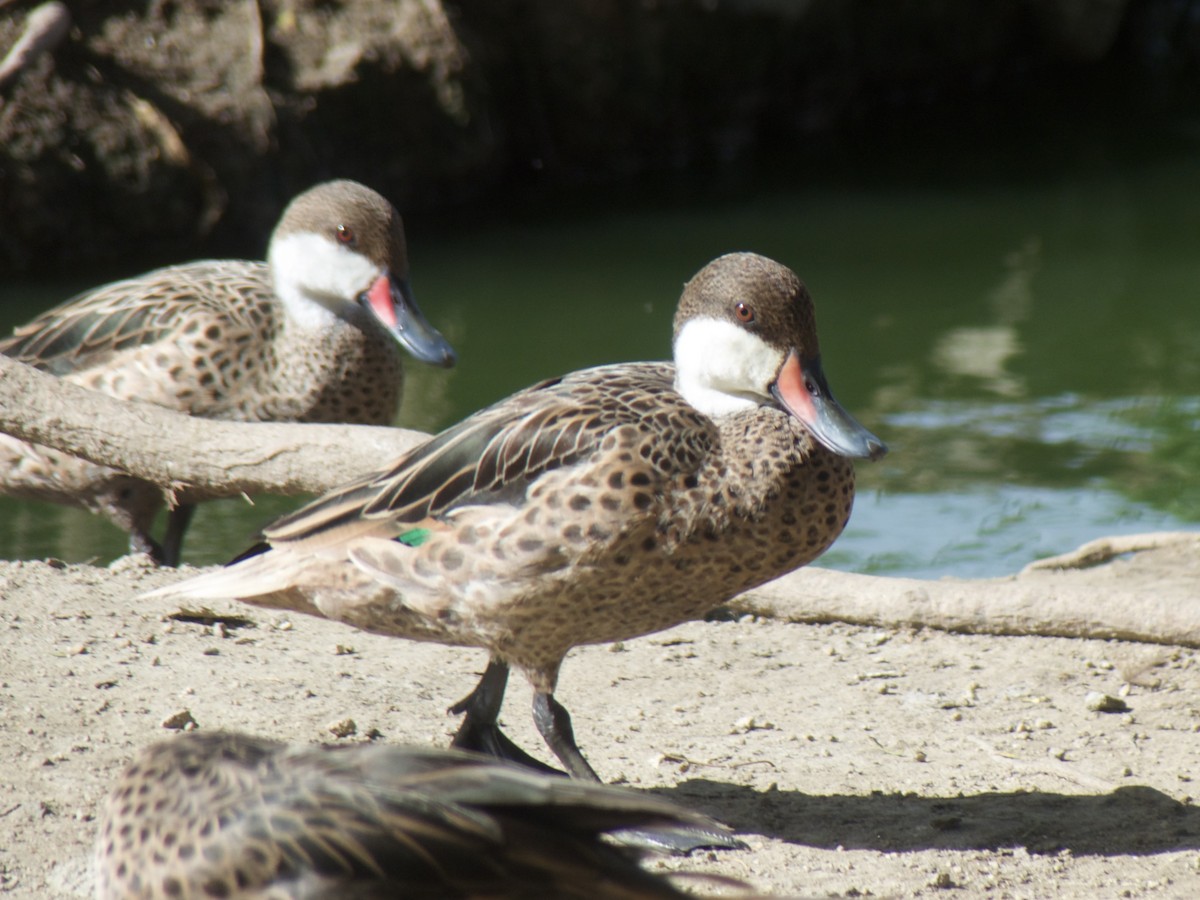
749	723
942	881
180	721
1105	703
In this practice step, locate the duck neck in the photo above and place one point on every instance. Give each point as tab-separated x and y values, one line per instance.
713	364
302	311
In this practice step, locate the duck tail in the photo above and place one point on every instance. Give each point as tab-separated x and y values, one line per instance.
249	578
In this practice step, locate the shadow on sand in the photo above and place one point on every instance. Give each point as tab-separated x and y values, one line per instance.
1135	820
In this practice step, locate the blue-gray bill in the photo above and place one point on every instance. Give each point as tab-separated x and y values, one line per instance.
801	389
392	302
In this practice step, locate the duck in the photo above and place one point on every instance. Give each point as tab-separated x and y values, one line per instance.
316	333
600	506
224	814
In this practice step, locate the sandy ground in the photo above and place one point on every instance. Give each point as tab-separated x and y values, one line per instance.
853	761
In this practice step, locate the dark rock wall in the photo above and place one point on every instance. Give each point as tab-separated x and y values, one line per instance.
180	127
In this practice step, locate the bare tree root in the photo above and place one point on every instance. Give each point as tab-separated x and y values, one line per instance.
1151	598
1105	549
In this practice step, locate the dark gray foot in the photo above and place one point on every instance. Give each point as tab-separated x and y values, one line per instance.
480	731
554	723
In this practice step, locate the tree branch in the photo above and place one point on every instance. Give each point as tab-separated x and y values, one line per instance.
198	459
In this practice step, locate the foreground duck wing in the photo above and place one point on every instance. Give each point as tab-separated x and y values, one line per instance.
495	455
231	815
93	327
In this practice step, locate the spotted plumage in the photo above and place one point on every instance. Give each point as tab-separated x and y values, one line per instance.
606	504
221	815
315	334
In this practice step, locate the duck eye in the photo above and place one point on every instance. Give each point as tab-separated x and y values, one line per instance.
744	313
345	235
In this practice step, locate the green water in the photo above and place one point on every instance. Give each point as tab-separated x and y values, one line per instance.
1027	340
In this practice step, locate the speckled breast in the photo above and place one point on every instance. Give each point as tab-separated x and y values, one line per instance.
773	502
350	374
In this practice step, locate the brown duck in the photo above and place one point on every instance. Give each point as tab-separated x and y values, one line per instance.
228	815
606	504
315	334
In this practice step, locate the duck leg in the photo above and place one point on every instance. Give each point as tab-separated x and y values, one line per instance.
178	520
554	723
480	731
132	506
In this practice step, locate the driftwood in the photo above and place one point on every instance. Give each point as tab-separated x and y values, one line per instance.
197	458
1102	550
1151	598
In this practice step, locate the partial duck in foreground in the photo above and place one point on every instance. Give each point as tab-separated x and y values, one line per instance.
226	815
315	334
600	506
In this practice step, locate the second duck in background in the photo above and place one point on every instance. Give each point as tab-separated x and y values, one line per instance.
314	334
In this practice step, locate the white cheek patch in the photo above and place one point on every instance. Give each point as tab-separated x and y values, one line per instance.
314	275
721	368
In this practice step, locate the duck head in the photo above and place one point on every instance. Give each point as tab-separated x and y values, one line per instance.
745	337
341	244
